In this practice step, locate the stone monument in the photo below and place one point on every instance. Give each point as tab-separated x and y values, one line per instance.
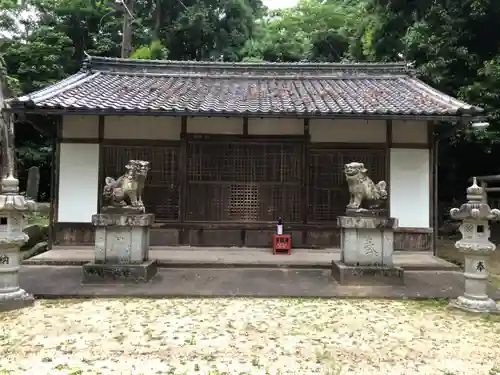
476	247
33	183
367	233
13	207
121	251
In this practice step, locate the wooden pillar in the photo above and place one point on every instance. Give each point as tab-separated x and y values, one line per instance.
245	126
305	178
388	146
54	179
183	185
54	189
243	233
101	176
433	143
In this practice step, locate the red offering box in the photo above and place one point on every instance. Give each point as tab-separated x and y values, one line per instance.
282	242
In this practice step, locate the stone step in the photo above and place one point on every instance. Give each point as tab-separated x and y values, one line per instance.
411	261
65	282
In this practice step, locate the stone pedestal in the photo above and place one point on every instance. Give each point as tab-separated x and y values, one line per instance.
475	298
11	295
121	248
367	244
12	209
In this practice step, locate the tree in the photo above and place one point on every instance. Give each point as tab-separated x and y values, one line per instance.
198	29
313	30
455	47
154	51
7	162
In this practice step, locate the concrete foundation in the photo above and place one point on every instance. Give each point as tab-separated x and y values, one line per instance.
101	273
367	275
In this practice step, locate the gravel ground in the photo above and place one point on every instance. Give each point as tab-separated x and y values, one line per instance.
246	336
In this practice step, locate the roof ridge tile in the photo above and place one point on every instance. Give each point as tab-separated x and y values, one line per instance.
111	64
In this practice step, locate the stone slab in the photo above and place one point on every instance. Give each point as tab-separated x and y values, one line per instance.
367	212
367	222
202	257
102	273
65	282
366	275
125	210
123	220
16	304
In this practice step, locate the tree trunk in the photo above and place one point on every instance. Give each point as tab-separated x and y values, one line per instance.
6	135
127	28
156	31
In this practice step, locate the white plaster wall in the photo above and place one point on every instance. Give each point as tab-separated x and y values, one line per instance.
215	125
80	127
142	127
409	187
409	132
78	182
271	126
357	131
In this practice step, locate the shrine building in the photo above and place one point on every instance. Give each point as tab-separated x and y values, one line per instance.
235	146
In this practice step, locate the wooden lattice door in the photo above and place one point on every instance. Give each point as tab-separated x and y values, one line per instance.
244	181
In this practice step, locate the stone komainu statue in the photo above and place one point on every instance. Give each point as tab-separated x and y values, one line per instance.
364	193
127	190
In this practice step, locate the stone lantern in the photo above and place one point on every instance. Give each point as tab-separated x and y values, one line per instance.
477	248
13	206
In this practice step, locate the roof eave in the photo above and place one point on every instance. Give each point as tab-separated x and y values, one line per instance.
30	108
52	90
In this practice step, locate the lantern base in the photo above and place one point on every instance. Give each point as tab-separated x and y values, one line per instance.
486	305
16	300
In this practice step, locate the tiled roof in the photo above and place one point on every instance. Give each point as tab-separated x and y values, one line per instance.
184	87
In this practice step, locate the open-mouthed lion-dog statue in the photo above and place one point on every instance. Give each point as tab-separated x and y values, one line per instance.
364	193
127	190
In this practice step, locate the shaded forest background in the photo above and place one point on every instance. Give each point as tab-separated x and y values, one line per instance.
454	44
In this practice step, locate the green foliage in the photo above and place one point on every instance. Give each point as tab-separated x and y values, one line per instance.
40	59
313	30
485	89
455	46
154	51
12	86
197	29
37	218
